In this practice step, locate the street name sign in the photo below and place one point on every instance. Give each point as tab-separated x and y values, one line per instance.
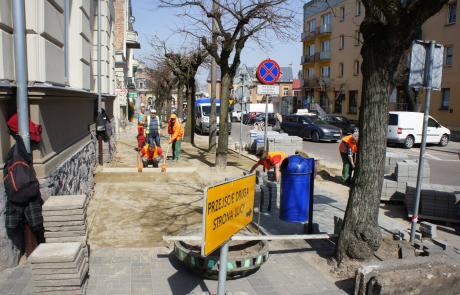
268	72
227	208
425	69
268	90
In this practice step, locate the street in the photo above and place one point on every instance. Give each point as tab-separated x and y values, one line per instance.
444	162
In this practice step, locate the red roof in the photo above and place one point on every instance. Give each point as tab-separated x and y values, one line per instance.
296	85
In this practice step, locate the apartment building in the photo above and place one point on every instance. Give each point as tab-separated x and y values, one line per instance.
61	41
126	41
331	60
284	83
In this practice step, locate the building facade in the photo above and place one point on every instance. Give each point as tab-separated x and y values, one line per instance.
331	60
62	92
284	83
126	41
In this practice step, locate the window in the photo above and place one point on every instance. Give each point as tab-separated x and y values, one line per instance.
311	50
342	13
341	70
448	55
285	91
311	73
312	25
393	120
358	7
432	123
353	102
325	71
452	13
339	97
341	42
445	95
326	23
356	68
357	38
325	46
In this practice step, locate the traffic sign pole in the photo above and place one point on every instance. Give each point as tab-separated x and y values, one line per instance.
266	123
241	116
222	268
428	86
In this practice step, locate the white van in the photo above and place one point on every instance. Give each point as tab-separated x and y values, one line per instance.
406	128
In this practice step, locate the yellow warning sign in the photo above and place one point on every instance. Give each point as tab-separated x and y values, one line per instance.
227	208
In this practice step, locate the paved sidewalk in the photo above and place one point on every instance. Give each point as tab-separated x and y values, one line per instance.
156	271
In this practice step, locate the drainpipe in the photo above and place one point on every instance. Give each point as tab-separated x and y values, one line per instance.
66	40
99	20
20	63
99	98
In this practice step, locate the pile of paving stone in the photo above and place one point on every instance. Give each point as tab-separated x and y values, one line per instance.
60	268
405	171
276	142
64	219
436	201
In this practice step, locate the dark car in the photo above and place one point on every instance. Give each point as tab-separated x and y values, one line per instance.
261	118
312	127
341	122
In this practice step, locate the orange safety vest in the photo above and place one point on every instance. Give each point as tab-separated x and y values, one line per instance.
273	159
348	141
146	152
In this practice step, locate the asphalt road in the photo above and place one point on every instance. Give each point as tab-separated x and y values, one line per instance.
444	161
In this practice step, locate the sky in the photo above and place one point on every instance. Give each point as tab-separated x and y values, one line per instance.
164	23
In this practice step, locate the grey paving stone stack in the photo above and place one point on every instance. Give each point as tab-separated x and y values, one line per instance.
391	159
440	201
265	197
394	185
257	196
65	219
274	191
60	269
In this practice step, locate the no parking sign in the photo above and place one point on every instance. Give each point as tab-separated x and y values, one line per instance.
268	72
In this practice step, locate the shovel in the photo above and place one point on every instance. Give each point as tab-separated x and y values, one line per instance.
164	166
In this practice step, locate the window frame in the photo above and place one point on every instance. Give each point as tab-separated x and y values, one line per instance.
357	38
451	12
310	30
328	71
341	42
341	69
358	8
285	91
342	13
446	56
445	102
353	109
356	68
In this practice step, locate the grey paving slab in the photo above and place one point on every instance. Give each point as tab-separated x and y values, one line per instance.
47	213
42	268
66	228
82	270
55	252
73	217
64	233
64	202
63	223
79	239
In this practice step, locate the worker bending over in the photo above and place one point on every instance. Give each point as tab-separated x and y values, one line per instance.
348	149
151	155
269	160
176	132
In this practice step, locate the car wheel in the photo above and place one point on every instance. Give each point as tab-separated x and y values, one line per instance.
315	136
409	142
444	140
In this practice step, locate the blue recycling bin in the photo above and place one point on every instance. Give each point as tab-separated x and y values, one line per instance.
296	178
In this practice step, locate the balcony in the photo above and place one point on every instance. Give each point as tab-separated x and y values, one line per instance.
309	35
310	58
325	28
132	40
325	55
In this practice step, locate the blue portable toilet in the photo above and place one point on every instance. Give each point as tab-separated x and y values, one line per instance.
296	176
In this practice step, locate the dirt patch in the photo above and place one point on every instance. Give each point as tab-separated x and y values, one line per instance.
136	210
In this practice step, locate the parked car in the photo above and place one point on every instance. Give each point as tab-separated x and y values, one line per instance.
406	128
341	122
312	127
261	118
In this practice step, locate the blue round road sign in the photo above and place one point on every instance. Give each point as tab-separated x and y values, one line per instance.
268	72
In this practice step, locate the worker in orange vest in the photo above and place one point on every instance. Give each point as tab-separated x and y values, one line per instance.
176	133
151	155
269	160
348	149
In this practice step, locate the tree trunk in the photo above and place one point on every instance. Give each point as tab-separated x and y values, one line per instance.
180	100
361	235
213	115
222	146
188	119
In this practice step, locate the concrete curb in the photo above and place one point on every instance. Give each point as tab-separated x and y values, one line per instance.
148	170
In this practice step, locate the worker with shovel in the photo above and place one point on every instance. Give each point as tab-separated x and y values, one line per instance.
176	133
151	154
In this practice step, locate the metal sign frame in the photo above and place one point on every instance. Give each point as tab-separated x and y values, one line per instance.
268	65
